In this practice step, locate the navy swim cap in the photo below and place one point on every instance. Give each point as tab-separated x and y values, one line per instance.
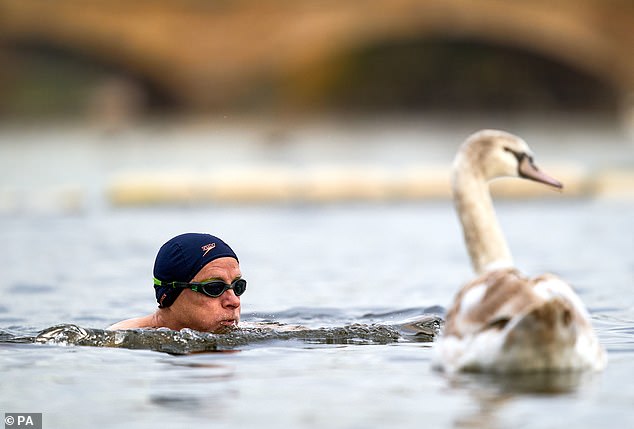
181	258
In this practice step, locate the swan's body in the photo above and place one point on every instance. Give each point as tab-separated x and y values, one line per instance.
502	321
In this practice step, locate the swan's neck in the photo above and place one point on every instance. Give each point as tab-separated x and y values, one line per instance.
482	233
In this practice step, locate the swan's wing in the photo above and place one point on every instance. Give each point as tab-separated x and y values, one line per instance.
504	322
489	302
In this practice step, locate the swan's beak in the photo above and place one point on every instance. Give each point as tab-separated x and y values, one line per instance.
530	171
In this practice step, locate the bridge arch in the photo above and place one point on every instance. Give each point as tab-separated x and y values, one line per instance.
59	77
436	72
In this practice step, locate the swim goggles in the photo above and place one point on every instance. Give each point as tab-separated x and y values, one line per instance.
213	288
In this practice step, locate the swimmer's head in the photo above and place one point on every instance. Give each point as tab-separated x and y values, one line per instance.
181	258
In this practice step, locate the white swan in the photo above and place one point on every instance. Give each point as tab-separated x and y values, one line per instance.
502	321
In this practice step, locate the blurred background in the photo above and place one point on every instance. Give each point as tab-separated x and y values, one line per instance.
117	103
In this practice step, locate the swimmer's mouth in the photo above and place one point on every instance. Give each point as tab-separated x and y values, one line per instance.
229	322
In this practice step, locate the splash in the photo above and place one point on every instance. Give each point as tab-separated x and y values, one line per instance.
188	341
254	334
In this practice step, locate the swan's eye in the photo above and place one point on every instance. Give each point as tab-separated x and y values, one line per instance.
518	155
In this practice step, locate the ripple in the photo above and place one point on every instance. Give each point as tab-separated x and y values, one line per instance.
7	336
31	288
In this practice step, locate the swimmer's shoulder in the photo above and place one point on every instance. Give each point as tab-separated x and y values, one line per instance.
134	323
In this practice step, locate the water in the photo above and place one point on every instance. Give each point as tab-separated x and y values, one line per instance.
325	340
342	301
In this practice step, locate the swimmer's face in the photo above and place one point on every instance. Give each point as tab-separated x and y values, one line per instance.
198	311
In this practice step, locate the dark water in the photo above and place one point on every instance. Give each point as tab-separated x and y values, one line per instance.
341	305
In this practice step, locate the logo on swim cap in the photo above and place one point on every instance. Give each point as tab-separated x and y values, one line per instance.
207	247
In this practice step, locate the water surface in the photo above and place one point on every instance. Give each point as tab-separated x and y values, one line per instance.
350	276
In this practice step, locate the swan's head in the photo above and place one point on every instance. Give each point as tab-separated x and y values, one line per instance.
495	153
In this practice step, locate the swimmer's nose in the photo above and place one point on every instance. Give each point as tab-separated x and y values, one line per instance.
230	300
